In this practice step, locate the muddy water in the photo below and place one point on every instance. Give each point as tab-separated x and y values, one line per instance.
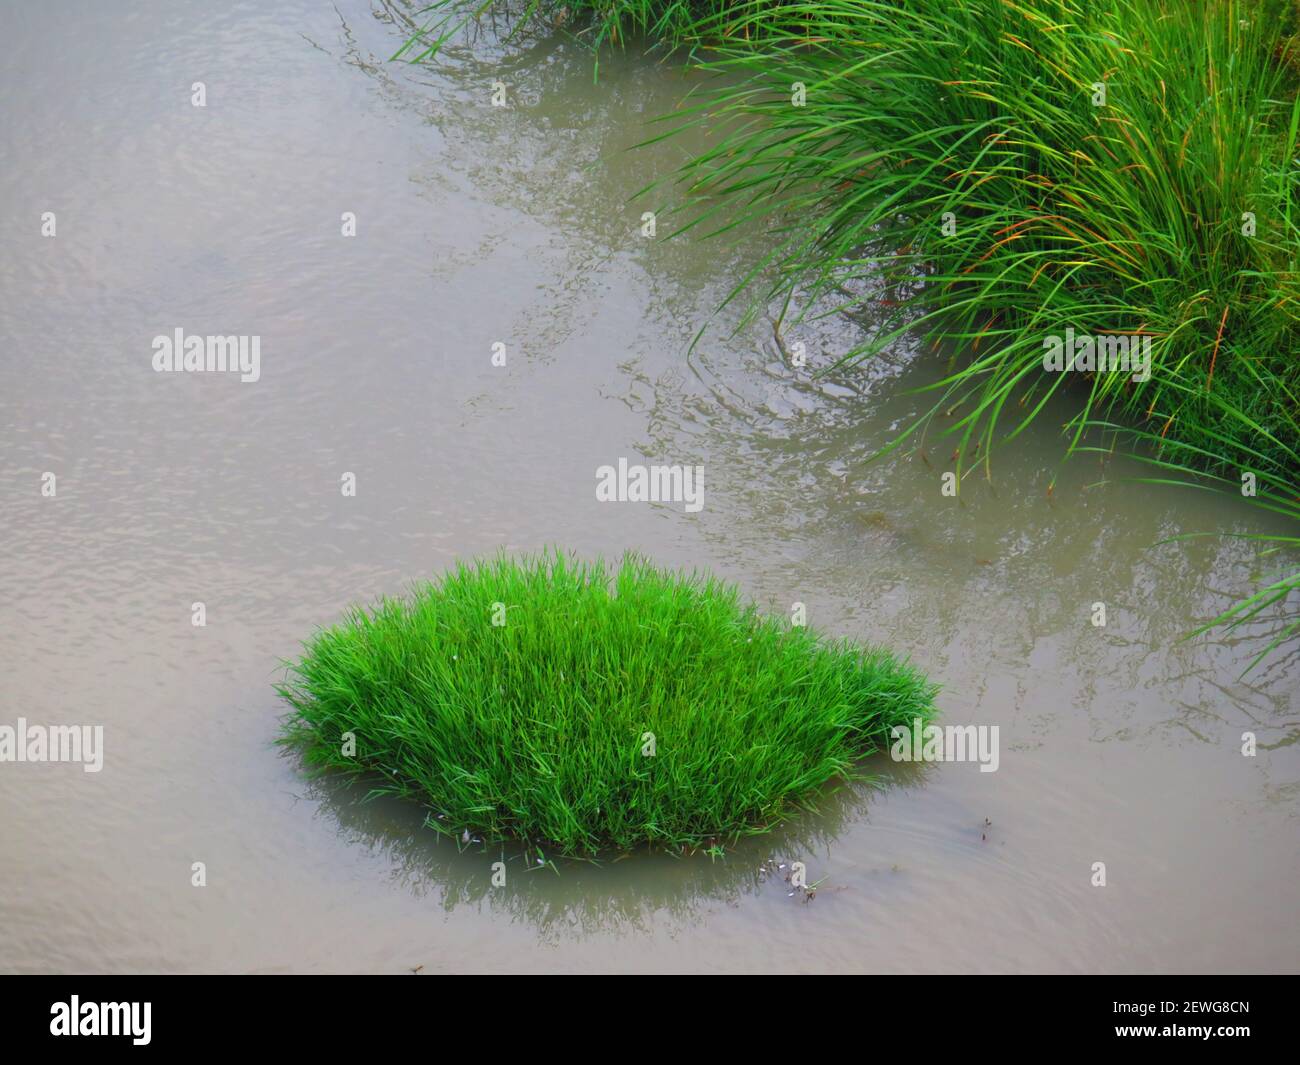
478	225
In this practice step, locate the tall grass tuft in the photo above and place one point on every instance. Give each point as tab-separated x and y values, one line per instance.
1124	217
584	707
1165	209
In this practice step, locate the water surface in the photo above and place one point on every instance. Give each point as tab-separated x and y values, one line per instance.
478	225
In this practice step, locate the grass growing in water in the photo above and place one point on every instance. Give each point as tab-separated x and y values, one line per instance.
537	728
1115	215
959	152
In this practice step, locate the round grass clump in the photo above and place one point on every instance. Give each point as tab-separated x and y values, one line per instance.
583	707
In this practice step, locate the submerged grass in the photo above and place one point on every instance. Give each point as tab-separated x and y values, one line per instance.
615	706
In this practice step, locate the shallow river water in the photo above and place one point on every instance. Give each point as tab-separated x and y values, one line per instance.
478	225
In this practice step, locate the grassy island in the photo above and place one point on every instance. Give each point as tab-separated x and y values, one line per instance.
584	707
